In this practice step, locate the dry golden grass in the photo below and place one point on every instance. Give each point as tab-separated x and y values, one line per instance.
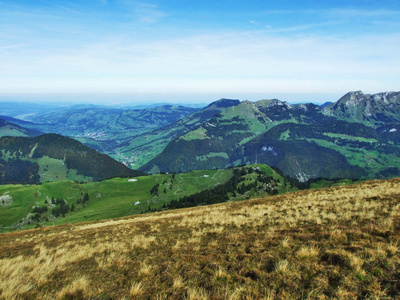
336	243
136	289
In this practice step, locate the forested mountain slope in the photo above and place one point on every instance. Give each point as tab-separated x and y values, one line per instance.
52	157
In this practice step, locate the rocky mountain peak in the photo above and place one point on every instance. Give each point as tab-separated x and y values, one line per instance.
371	108
269	103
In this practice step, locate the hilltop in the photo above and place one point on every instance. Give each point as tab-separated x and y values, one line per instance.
341	242
7	128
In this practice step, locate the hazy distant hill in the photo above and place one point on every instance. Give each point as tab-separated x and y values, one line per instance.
132	136
303	140
22	110
52	157
104	128
10	129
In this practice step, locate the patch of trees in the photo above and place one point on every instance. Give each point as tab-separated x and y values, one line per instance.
83	200
276	112
18	171
298	157
221	192
154	190
294	182
181	155
61	209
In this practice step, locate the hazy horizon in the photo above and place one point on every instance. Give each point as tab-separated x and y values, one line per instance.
150	99
178	99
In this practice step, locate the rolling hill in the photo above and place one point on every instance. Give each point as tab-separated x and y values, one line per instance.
27	206
52	157
105	128
10	129
356	137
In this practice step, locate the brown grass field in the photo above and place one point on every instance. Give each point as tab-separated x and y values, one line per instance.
336	243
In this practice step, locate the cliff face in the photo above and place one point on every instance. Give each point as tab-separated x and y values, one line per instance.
374	109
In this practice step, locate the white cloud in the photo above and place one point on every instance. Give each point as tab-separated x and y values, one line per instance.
230	62
144	12
301	27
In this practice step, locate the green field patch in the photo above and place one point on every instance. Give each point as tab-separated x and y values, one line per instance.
371	161
198	134
212	154
11	131
350	137
74	176
112	198
51	169
285	135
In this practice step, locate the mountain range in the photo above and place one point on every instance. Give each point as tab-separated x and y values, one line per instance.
354	137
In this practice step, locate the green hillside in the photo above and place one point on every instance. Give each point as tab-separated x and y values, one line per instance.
329	149
220	141
139	150
26	206
304	141
53	157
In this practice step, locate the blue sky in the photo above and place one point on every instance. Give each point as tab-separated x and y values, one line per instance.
136	51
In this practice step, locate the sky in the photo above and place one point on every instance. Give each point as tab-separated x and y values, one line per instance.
114	51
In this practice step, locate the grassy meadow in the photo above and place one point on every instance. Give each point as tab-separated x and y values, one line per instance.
329	243
112	198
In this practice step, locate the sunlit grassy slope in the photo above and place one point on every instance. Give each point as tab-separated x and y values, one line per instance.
108	199
332	243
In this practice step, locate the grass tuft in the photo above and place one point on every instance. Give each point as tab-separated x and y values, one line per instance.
136	289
